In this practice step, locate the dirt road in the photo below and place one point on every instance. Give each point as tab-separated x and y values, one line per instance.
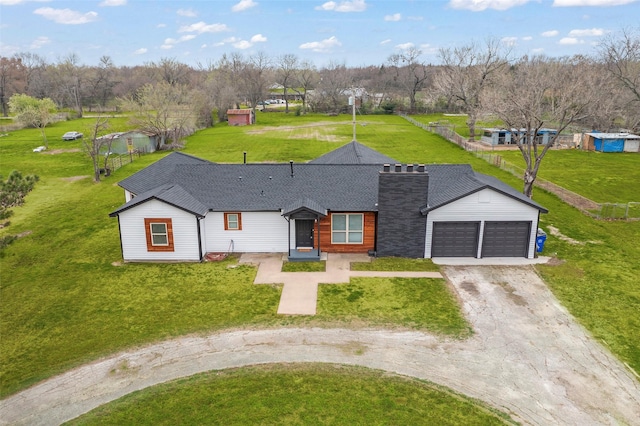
528	357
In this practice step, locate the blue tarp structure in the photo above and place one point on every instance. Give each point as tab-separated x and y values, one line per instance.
609	145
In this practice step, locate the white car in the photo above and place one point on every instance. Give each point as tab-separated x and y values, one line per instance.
71	136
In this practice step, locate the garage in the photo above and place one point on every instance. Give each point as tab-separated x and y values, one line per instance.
506	239
455	239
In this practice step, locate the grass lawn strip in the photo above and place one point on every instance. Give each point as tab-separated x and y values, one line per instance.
294	394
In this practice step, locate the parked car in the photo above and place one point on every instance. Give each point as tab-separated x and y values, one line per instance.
71	136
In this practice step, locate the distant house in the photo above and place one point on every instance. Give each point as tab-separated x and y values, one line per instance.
495	136
350	200
133	141
611	142
241	117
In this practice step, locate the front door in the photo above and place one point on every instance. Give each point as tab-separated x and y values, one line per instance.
304	233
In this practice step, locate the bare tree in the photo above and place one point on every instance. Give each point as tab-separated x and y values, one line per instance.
467	71
285	75
102	81
620	54
13	79
69	77
170	70
409	74
306	79
538	92
98	144
333	88
38	79
253	75
164	110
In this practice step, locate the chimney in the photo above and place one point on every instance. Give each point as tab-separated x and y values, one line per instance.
401	227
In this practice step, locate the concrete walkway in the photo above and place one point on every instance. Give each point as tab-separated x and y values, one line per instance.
527	357
300	291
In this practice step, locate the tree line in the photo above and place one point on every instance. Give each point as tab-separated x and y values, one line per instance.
171	99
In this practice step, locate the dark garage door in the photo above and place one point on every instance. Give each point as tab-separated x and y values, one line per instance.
455	239
506	239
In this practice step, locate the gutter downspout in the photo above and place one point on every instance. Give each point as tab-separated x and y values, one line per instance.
199	238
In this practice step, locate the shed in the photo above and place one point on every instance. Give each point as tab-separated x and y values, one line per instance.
133	141
241	117
495	136
612	142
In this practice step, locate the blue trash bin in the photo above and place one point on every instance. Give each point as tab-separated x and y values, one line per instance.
540	239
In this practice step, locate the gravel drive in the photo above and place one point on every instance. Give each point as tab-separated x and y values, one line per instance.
527	357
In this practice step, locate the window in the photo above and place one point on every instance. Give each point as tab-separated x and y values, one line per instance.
346	228
159	234
233	222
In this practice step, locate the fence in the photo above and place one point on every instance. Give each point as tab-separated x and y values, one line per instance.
628	211
114	162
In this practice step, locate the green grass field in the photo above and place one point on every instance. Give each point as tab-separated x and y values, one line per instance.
295	394
64	303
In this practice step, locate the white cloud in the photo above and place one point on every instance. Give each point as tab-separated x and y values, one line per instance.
551	33
161	26
570	3
593	32
527	38
405	46
570	41
66	16
480	5
113	3
537	51
242	44
14	2
393	18
509	41
427	48
243	5
189	13
170	42
324	46
387	41
258	38
201	27
344	6
140	51
39	42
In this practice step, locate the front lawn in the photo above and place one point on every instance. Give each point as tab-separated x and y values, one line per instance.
295	394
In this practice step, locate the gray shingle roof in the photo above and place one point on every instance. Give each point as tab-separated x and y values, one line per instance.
353	153
198	186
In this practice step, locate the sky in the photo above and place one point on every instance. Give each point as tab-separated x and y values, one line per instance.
350	32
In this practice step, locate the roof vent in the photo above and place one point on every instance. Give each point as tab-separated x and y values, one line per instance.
386	168
409	168
398	167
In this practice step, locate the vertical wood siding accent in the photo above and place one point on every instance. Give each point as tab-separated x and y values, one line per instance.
169	227
134	236
369	236
486	205
262	232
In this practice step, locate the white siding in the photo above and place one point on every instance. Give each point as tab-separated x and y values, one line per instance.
127	196
134	241
262	232
485	205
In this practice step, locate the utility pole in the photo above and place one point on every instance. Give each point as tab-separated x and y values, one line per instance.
352	102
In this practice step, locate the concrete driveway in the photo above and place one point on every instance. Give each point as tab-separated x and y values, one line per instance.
528	357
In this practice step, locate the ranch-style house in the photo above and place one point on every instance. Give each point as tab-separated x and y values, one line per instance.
350	200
